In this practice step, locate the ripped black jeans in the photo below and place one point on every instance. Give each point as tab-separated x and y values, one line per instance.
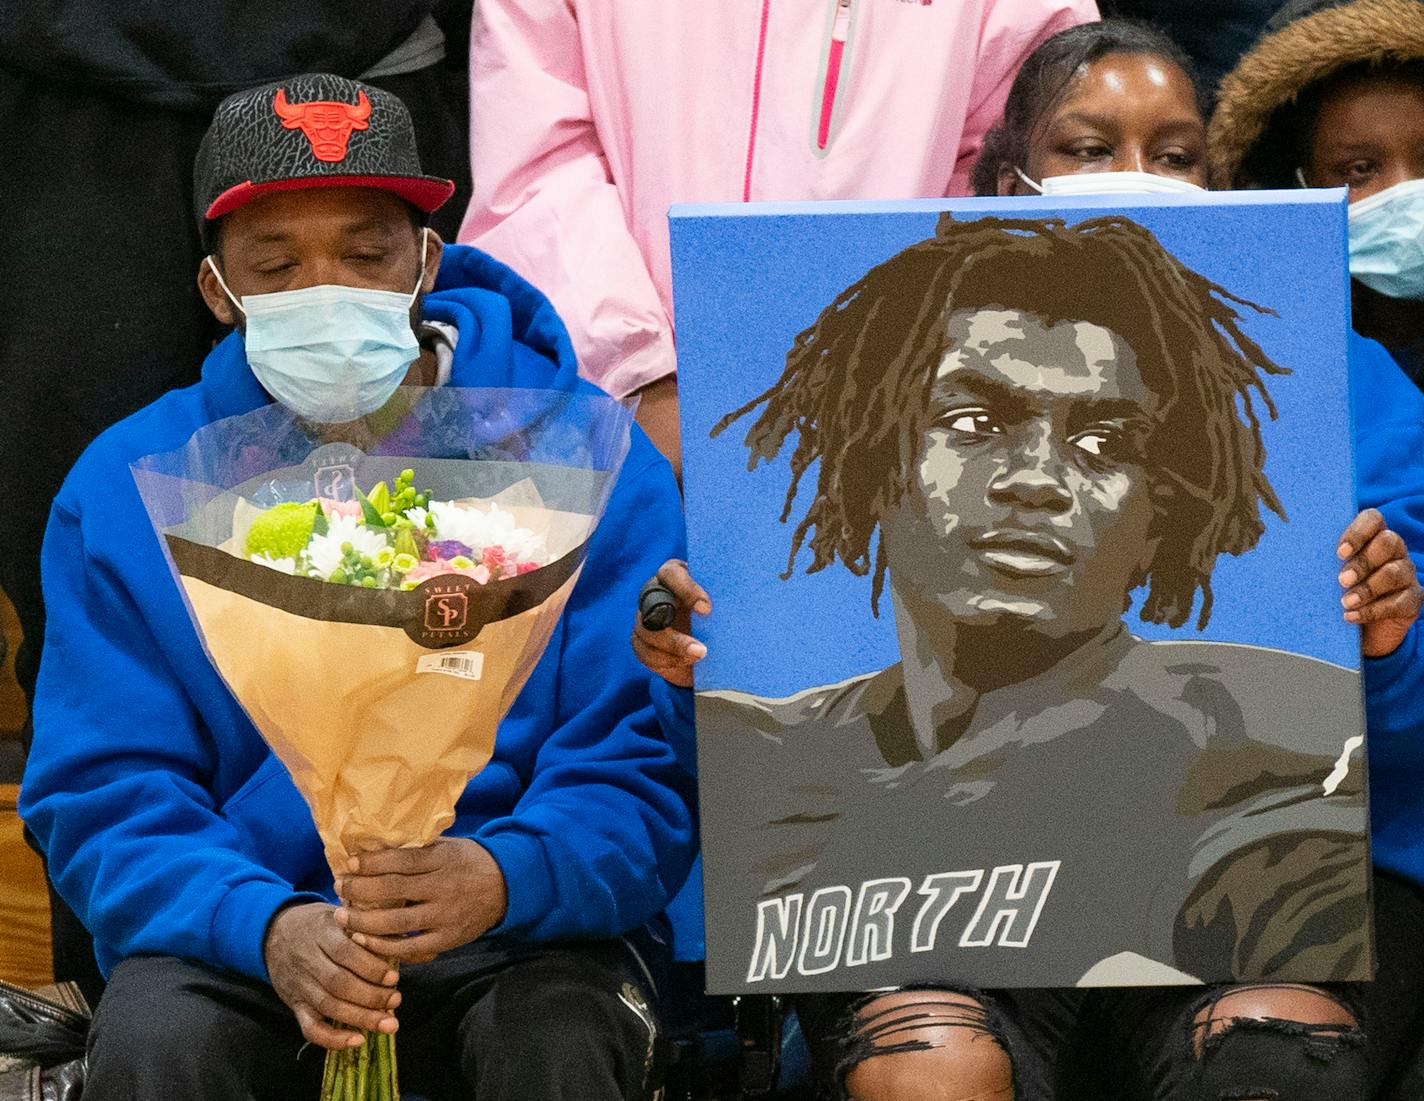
1363	1042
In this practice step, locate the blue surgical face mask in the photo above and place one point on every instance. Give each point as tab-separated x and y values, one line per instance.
1387	240
330	353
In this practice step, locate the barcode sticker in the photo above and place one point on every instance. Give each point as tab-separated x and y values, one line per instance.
467	664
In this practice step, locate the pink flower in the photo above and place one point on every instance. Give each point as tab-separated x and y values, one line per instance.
494	557
526	567
424	571
340	508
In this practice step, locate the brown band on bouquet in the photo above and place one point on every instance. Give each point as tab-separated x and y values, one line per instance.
445	611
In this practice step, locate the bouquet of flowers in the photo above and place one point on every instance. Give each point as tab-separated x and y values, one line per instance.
392	540
345	578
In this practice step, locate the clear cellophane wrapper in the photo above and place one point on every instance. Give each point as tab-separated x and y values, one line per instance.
381	703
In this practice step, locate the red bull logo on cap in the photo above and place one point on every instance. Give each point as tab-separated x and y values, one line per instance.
327	125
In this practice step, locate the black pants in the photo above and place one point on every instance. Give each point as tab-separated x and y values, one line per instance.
1143	1044
488	1021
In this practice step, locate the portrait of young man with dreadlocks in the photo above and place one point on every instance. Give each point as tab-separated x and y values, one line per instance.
1012	428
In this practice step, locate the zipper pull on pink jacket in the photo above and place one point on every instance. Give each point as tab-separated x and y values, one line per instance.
840	31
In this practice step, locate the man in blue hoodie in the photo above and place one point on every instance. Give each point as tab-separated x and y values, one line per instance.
181	841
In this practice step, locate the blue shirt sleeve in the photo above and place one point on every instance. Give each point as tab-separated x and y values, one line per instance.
674	706
1389	475
117	786
602	836
1388	414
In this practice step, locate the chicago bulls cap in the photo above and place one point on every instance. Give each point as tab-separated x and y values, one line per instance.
314	130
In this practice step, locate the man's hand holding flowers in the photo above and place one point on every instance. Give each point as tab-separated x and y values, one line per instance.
410	905
327	980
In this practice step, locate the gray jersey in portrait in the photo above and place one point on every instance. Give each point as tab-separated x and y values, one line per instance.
1140	813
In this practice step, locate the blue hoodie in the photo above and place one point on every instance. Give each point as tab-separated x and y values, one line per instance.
169	826
1388	415
1389	475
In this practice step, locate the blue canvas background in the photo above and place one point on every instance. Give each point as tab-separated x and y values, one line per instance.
748	278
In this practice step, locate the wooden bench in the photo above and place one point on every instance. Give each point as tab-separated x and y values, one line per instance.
24	902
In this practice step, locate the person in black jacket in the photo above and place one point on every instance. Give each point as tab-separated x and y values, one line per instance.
1213	32
100	120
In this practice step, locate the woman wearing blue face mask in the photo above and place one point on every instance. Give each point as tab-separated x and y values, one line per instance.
1333	96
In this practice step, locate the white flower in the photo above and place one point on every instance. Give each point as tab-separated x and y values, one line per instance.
478	529
324	551
465	525
416	515
281	565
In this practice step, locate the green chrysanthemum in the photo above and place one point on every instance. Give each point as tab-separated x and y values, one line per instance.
283	531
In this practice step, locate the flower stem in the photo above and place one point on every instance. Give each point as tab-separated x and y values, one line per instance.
363	1066
328	1077
383	1067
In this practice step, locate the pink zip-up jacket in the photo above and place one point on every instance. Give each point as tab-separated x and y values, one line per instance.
590	117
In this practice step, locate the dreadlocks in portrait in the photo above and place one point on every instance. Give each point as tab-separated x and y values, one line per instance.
1014	427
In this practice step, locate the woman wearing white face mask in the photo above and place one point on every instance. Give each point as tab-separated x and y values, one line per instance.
1333	96
1108	107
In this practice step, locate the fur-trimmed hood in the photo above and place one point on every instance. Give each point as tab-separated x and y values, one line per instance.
1246	143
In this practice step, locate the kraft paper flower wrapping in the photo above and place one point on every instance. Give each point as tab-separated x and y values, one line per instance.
383	703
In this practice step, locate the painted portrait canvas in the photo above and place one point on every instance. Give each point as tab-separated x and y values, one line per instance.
1026	665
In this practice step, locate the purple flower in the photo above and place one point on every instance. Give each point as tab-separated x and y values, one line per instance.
446	549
